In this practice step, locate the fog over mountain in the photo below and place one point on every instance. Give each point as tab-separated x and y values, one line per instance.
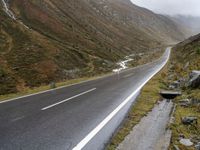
171	7
186	13
190	22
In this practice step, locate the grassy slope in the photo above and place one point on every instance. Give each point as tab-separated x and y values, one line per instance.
24	56
73	39
56	49
139	60
188	51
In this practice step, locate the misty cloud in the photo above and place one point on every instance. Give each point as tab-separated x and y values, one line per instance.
171	7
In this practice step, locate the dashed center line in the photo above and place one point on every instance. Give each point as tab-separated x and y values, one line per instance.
128	75
18	118
58	103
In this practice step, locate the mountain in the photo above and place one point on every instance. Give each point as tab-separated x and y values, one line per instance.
190	23
45	40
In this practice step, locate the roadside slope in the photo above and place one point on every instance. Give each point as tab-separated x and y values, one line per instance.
186	58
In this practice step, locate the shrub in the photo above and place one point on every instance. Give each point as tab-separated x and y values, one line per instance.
198	50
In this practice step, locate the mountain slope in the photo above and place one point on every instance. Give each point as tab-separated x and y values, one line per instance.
187	54
191	23
186	58
72	38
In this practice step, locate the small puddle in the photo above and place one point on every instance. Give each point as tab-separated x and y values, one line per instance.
150	133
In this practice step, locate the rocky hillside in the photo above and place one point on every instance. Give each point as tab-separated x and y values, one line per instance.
49	40
184	74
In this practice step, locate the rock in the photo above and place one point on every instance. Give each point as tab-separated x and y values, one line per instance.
186	142
194	81
189	120
185	102
174	85
184	105
197	146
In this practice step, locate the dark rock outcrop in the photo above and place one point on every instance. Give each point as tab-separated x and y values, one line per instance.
194	81
189	120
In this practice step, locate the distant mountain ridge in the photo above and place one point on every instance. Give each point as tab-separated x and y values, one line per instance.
64	39
191	23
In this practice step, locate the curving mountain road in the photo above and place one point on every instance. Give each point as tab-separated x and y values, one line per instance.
71	117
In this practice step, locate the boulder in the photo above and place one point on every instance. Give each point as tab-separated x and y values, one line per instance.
185	102
194	81
186	142
189	120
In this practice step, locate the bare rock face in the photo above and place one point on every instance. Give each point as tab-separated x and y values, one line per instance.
194	81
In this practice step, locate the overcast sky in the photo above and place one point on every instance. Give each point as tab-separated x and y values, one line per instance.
171	7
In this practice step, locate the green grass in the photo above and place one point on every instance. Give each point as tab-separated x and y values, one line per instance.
28	91
178	128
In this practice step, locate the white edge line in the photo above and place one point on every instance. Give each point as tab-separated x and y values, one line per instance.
84	141
53	105
17	98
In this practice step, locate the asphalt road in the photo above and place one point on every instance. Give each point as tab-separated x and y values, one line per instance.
68	118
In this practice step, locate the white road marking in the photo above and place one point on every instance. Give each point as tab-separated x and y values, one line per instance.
128	75
85	140
18	118
61	87
53	105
